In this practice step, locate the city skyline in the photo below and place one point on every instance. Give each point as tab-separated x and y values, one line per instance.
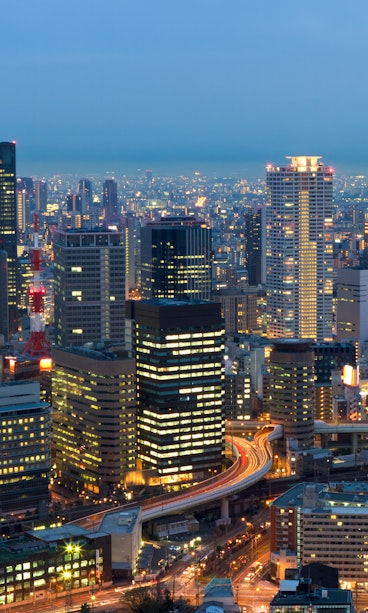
189	83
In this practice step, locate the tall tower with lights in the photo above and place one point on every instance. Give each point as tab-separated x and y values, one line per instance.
8	229
299	249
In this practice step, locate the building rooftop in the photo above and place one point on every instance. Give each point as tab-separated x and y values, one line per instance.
122	522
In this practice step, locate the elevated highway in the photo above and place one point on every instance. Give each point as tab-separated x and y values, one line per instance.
253	461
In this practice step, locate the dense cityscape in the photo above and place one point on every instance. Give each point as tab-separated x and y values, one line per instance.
184	379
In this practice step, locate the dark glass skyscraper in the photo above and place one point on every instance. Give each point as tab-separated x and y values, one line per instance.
180	389
255	243
176	259
110	200
8	227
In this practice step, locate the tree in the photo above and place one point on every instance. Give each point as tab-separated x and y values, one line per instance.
154	600
85	608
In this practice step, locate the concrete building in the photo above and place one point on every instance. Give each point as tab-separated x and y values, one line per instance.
25	450
39	567
240	310
89	271
291	368
94	429
180	379
352	306
125	528
326	523
299	259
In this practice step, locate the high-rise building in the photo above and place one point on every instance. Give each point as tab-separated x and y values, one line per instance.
180	388
85	189
40	189
25	459
176	259
255	244
110	201
299	250
89	272
94	430
8	228
291	370
351	306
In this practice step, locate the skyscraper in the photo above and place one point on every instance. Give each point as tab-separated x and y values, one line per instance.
299	249
292	391
85	189
89	272
110	201
254	244
180	388
8	227
40	188
176	259
94	430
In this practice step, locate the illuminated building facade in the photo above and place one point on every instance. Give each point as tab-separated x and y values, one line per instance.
291	369
241	309
25	458
325	523
8	229
89	272
42	565
352	306
180	388
94	436
299	258
176	259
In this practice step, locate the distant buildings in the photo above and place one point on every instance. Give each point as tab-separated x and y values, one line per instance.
25	447
180	379
89	272
94	419
176	259
296	596
255	244
299	250
110	201
9	235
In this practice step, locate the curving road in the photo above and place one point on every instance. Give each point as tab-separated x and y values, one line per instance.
254	460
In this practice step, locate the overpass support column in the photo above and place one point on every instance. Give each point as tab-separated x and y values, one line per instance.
224	508
354	442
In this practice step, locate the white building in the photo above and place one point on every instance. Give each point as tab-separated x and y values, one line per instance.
352	306
299	249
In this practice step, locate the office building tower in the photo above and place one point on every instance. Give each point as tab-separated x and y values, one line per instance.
180	389
94	431
74	203
330	358
176	259
299	250
325	523
89	290
40	190
4	306
255	244
352	307
25	458
241	309
8	228
291	368
110	201
85	190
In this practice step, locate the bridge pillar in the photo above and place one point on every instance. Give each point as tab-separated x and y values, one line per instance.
224	508
354	442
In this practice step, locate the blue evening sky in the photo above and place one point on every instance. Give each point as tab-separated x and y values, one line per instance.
88	83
